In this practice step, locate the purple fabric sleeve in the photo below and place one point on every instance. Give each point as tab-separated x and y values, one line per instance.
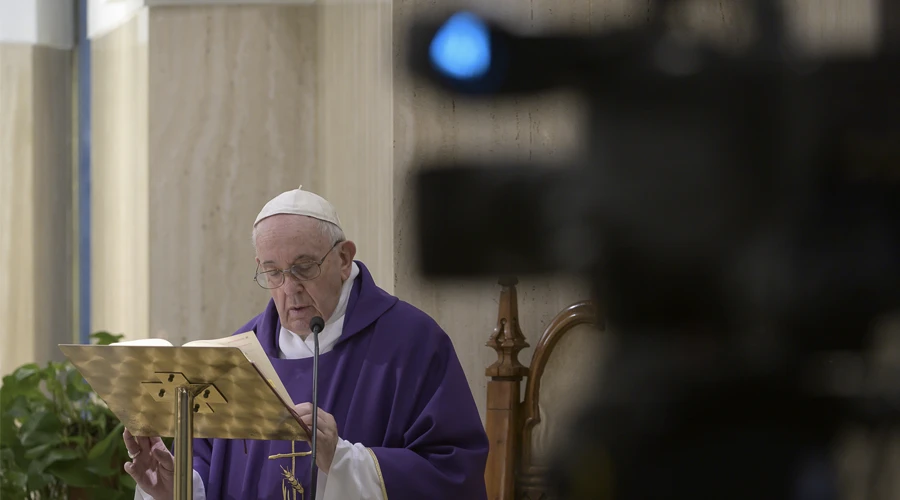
202	456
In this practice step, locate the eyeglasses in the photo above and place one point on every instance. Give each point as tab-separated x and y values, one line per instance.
302	271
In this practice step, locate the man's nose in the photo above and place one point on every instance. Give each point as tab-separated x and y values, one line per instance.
292	284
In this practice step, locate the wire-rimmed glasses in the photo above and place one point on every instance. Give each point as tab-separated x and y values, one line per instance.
301	271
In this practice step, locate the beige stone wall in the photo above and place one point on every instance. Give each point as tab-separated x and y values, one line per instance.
36	202
120	271
232	107
354	101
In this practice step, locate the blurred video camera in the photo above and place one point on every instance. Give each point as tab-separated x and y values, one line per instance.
738	215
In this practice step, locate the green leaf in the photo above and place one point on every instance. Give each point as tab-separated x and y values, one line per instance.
14	483
101	469
14	454
26	371
20	407
49	454
77	388
106	338
105	447
102	457
54	380
41	429
73	473
37	478
99	419
13	480
38	466
39	450
8	431
51	370
74	440
23	382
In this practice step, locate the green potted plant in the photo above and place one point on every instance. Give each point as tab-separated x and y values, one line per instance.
58	439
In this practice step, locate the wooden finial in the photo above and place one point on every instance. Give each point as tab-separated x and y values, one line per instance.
507	339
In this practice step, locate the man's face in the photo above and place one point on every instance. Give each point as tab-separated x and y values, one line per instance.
287	240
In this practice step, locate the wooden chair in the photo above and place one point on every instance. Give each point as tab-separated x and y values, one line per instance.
514	470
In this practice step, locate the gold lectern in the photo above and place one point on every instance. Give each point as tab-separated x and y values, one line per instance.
187	393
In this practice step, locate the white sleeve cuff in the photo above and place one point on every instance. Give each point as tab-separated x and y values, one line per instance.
199	490
354	475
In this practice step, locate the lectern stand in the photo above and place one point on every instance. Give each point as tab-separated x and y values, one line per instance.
187	393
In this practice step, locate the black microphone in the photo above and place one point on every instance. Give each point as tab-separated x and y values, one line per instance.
316	325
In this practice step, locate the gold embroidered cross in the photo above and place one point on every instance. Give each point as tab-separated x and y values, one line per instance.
290	478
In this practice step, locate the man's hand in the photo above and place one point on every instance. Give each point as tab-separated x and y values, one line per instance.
152	465
326	434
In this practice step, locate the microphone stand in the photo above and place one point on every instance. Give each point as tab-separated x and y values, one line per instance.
315	325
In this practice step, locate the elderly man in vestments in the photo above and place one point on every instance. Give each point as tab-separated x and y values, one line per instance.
396	417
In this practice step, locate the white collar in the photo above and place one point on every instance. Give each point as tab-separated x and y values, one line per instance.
291	346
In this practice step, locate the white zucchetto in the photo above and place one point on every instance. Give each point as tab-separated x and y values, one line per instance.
300	202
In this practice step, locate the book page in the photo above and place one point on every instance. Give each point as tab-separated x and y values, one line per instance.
146	343
250	346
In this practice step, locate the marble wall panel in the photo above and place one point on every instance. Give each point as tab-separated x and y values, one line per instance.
355	136
17	307
36	222
120	272
231	125
52	202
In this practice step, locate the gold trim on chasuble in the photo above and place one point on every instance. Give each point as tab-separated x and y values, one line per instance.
290	486
380	477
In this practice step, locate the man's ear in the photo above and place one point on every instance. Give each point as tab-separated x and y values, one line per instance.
347	253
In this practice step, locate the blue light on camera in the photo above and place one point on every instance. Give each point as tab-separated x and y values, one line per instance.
462	48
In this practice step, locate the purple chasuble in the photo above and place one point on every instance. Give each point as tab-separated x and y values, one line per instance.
392	382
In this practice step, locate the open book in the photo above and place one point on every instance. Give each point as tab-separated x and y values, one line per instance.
252	349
